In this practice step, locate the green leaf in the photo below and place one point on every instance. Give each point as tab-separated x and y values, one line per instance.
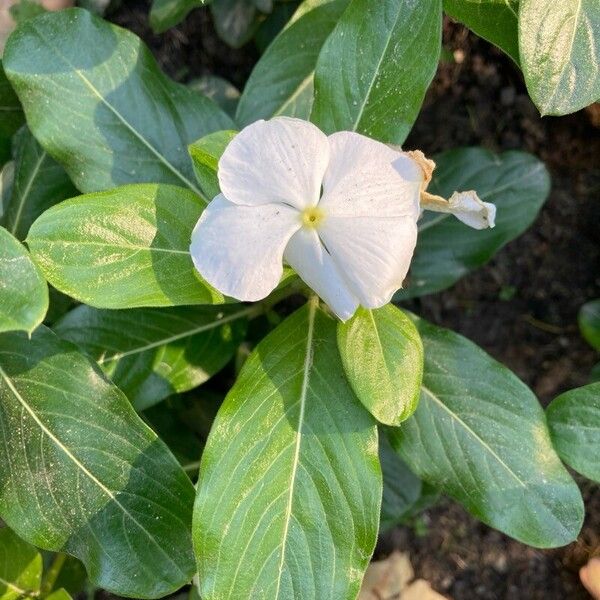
205	154
124	248
219	90
20	567
165	14
401	487
296	515
574	421
60	594
153	353
84	475
375	67
11	116
589	322
26	9
97	102
388	383
273	23
480	436
282	81
23	291
236	21
559	44
493	20
516	182
39	182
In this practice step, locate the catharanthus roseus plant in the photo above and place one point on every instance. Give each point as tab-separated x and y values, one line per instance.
206	369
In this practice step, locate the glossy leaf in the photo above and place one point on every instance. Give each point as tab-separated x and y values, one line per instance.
38	183
559	44
282	82
165	14
153	353
382	355
124	248
60	594
11	116
235	21
480	436
23	290
97	102
205	154
516	182
297	514
493	20
375	67
589	322
85	475
20	567
574	421
401	487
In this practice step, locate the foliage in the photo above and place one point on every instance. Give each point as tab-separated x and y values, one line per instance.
111	405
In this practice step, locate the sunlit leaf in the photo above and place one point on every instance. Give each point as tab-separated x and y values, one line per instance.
83	474
480	436
23	290
151	353
97	102
296	514
574	421
388	381
375	67
124	248
559	44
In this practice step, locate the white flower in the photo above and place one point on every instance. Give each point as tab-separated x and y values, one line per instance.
341	210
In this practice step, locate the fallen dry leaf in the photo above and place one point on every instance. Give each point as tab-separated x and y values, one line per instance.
420	590
385	579
389	579
590	577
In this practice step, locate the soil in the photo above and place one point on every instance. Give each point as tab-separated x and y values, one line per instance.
521	308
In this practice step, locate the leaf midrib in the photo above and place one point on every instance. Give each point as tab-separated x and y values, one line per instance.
189	333
376	73
15	588
308	358
473	434
83	468
108	105
27	190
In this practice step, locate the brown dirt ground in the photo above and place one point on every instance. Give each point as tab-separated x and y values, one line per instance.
521	307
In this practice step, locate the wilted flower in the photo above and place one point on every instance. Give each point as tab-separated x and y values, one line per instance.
341	210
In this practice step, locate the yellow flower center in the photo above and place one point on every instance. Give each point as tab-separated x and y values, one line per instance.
312	217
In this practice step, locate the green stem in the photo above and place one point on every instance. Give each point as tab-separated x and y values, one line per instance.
52	574
193	466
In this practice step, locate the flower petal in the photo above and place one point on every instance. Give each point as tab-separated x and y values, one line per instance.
307	256
374	254
465	206
281	160
368	178
468	208
239	249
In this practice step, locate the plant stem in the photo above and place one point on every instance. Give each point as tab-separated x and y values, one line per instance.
52	574
191	466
